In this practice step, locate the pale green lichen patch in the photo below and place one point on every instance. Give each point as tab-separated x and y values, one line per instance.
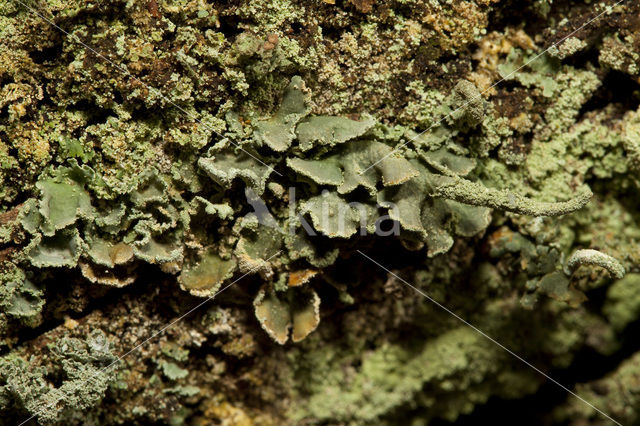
154	249
278	132
623	301
360	163
305	315
397	374
330	131
301	246
273	315
173	371
429	219
363	160
117	277
429	195
61	204
256	245
225	167
323	172
62	249
106	253
332	215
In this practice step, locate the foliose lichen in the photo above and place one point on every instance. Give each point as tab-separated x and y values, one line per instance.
246	151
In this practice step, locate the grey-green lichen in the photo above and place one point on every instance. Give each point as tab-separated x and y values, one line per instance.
622	305
594	257
83	367
617	393
273	140
474	194
155	224
397	374
19	297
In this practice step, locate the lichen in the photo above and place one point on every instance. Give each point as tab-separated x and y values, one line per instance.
594	257
237	157
83	367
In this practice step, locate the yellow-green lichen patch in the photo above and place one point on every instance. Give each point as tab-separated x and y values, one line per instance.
273	315
207	274
295	310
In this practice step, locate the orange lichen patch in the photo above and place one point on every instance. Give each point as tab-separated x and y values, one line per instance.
240	347
458	25
495	45
521	123
6	254
152	7
32	144
18	96
297	278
